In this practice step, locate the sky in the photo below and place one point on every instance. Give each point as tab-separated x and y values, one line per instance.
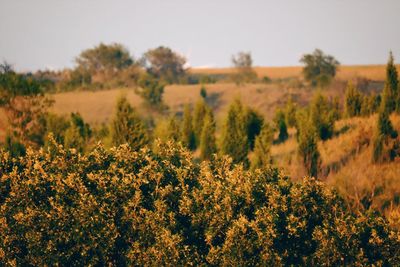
50	34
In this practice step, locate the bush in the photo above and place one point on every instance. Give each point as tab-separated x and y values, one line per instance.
121	207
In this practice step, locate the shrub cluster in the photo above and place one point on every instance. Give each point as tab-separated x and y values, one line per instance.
124	207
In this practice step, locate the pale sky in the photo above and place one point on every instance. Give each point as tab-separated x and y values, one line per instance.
39	34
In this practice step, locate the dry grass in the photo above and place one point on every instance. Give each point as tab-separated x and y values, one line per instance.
98	107
372	72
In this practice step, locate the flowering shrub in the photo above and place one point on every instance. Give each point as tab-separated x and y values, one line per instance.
122	207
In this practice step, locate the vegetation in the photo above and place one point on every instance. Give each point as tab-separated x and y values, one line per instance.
319	68
354	101
280	123
261	157
243	64
127	127
121	207
165	64
234	140
208	146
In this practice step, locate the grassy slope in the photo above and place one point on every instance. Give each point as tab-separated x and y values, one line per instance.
372	72
346	164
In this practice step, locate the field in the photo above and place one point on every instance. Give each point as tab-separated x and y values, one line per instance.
372	72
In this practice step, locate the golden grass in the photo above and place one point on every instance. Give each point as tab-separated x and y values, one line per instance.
98	107
372	72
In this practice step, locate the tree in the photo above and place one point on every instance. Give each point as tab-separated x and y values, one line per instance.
262	156
390	92
203	92
127	127
243	64
290	113
353	101
254	122
25	107
151	90
384	144
319	68
200	111
234	142
308	148
165	64
280	124
322	116
187	134
208	145
106	59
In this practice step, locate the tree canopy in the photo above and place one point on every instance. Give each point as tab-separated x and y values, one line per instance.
319	68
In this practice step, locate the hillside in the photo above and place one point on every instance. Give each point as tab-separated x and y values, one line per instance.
372	72
347	166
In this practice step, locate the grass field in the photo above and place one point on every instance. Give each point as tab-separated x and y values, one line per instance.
372	72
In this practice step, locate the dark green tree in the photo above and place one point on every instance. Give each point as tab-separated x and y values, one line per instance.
322	116
280	124
127	126
319	68
261	156
208	145
308	148
187	134
151	90
203	92
234	140
390	91
254	122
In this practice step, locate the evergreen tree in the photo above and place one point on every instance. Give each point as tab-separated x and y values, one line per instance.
353	100
290	113
187	134
261	156
280	123
254	122
200	111
173	129
234	134
208	145
74	139
322	116
308	148
390	91
127	127
384	134
203	91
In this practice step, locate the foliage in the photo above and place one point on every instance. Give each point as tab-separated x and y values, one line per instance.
390	91
319	68
122	207
203	92
322	116
234	140
290	113
261	156
280	123
254	122
208	146
187	133
385	145
106	59
25	107
353	101
243	64
165	64
200	111
151	90
127	126
308	148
